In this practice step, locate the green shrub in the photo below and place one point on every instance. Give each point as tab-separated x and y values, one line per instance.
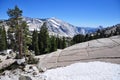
32	60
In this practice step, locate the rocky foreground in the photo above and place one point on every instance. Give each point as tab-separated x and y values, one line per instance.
105	50
78	71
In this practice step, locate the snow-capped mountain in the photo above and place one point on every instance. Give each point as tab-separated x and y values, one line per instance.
57	27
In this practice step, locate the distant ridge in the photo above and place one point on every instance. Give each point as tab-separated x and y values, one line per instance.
57	26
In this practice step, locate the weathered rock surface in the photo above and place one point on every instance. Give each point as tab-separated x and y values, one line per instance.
104	49
6	63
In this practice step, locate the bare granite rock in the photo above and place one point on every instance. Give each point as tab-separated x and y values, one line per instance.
104	49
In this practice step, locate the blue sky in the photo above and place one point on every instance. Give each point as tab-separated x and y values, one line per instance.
87	13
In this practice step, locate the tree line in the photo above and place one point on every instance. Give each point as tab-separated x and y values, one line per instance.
100	33
43	43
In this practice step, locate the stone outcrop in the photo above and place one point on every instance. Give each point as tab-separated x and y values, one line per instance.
104	49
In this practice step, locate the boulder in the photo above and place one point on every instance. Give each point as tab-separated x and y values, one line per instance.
24	78
31	69
41	67
20	61
6	63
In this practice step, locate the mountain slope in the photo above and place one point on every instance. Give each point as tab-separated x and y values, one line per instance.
57	27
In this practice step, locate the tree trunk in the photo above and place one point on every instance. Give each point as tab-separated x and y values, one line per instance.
20	42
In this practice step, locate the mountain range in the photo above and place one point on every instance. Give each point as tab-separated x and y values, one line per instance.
57	27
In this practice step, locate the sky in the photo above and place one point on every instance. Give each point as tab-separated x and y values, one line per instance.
83	13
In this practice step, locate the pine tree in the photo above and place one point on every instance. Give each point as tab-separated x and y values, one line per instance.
53	46
5	37
44	39
86	37
78	38
25	37
59	43
63	43
17	31
35	42
3	40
